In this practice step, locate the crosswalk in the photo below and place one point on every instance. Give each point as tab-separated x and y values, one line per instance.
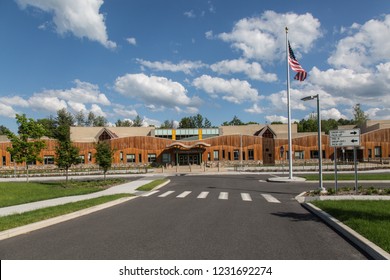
246	197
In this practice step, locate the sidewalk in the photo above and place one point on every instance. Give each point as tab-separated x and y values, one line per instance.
129	187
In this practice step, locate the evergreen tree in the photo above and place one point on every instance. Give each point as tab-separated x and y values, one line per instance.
137	122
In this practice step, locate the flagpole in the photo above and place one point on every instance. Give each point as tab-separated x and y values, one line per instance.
290	173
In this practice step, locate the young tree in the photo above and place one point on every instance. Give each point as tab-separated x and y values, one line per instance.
167	124
66	153
360	117
27	145
104	156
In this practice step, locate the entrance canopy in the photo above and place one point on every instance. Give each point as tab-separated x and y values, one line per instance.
181	146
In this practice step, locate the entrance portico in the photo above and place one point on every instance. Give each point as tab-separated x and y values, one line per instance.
188	154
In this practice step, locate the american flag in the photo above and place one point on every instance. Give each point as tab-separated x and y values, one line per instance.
294	64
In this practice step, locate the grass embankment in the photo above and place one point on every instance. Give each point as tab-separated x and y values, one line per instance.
14	193
349	176
369	218
150	186
17	220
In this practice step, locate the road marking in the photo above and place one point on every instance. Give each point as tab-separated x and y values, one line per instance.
203	195
166	194
149	193
223	195
183	194
270	198
246	197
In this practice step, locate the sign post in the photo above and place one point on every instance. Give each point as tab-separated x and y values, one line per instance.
345	138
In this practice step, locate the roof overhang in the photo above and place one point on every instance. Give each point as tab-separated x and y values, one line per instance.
182	146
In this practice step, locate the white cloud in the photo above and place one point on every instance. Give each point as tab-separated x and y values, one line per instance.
125	112
46	103
77	106
183	66
209	34
263	37
255	109
275	118
190	14
252	70
153	90
332	113
234	90
366	45
81	18
14	101
131	41
97	110
6	110
378	113
83	92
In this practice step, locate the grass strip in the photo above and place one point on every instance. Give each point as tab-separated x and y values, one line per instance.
152	185
14	193
17	220
369	218
349	176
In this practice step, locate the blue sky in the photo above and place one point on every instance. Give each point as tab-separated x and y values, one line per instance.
164	60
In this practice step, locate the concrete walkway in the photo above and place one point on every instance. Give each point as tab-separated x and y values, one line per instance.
129	187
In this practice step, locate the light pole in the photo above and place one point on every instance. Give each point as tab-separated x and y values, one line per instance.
311	97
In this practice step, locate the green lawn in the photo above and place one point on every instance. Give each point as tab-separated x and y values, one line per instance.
152	185
369	218
349	176
16	220
14	193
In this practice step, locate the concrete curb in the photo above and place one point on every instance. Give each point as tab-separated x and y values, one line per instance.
56	220
358	240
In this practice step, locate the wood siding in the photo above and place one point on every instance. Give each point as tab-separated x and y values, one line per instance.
142	147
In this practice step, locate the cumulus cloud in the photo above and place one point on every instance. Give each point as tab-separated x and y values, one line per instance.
131	41
275	118
183	66
252	70
366	45
263	38
255	109
6	110
97	110
81	18
154	90
125	112
332	113
233	90
14	101
46	103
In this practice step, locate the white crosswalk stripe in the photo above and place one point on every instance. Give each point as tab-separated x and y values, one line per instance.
223	195
246	197
166	194
270	198
203	195
149	193
183	194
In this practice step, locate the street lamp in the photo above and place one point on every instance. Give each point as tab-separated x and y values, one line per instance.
307	98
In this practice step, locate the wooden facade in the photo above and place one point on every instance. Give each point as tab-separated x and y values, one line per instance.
263	148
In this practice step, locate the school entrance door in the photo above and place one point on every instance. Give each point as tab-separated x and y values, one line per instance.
187	159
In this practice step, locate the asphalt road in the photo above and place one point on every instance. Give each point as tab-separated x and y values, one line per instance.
214	217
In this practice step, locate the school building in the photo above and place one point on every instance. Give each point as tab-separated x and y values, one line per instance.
226	145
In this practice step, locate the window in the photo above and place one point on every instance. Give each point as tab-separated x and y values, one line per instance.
223	154
314	154
152	158
121	156
251	155
369	153
48	160
229	156
243	155
216	155
140	158
166	158
299	154
130	158
236	154
4	160
208	157
82	159
89	157
378	151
